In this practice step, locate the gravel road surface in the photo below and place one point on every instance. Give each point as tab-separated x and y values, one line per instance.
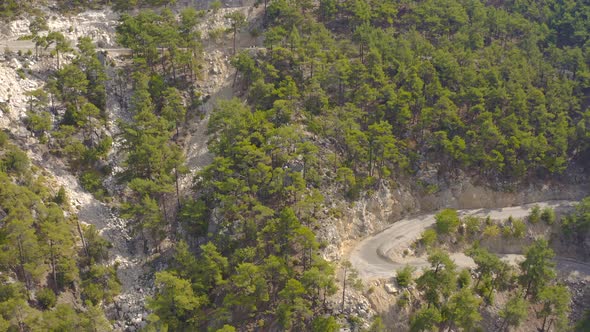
372	256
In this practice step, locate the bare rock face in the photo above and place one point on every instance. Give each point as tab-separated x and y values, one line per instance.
17	28
355	304
390	288
580	292
204	4
330	234
12	92
15	64
96	24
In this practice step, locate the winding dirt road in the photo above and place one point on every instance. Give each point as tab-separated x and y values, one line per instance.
372	256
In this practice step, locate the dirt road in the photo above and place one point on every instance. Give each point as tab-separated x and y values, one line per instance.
372	256
27	45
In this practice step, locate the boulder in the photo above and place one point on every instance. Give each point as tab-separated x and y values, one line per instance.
15	64
390	288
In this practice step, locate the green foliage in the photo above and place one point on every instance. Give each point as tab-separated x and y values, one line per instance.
60	45
100	284
428	237
462	310
537	268
237	21
377	325
11	8
92	182
472	225
325	324
491	231
175	302
404	276
555	307
46	298
153	161
487	263
227	328
346	96
215	5
3	139
535	215
193	214
79	87
518	229
21	73
447	221
4	324
577	224
514	312
425	319
96	246
548	216
177	37
61	198
439	281
464	279
38	247
15	161
293	309
39	123
437	80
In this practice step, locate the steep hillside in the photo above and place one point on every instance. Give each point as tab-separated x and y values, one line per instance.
35	121
234	152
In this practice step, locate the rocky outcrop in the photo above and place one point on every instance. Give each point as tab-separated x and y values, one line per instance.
96	24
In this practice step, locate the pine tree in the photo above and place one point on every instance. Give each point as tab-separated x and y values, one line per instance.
175	303
537	269
514	313
556	307
61	44
237	21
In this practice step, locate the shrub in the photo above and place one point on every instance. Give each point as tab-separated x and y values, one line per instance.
429	237
38	123
404	276
92	182
100	284
16	161
21	73
46	298
464	279
518	229
506	231
3	139
548	215
472	225
61	197
215	6
535	214
97	246
491	231
447	221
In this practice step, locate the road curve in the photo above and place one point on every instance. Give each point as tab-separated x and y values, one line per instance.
371	257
